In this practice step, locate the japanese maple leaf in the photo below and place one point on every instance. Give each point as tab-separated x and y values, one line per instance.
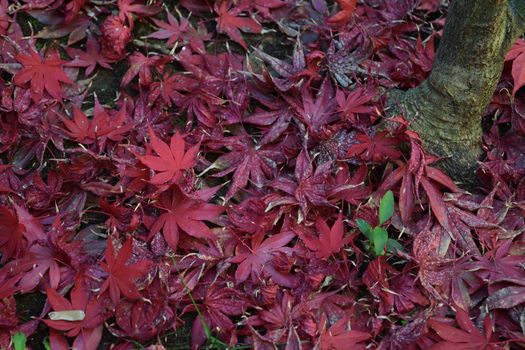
253	259
356	102
44	74
89	58
310	188
316	112
293	74
171	160
16	228
129	7
230	24
186	214
498	264
145	318
347	10
171	89
376	148
33	267
247	161
11	234
101	128
122	276
352	189
80	127
517	55
407	293
109	126
418	173
41	193
276	122
460	222
280	313
8	286
219	303
339	337
377	279
81	318
142	65
467	337
173	30
330	240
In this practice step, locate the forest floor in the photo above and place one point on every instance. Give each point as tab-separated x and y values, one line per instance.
218	174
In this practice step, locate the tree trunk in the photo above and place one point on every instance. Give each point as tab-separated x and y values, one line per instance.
446	109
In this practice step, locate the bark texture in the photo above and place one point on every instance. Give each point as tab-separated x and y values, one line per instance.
447	108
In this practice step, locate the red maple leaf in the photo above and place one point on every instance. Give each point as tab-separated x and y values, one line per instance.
142	65
41	193
171	160
186	214
347	10
8	286
316	112
246	161
122	276
15	229
357	102
101	128
498	264
294	74
467	337
218	304
253	258
170	88
86	325
129	7
418	173
330	240
89	58
39	261
173	30
376	148
11	234
229	22
352	189
517	55
310	189
145	318
377	279
44	74
339	337
80	127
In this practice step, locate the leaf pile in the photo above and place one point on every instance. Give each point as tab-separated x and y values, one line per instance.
238	182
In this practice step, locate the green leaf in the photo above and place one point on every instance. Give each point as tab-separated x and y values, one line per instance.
19	341
386	207
379	239
364	227
47	346
393	246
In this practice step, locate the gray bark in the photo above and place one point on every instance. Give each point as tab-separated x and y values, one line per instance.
447	108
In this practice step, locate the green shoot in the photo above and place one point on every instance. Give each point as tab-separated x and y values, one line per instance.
19	341
378	240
